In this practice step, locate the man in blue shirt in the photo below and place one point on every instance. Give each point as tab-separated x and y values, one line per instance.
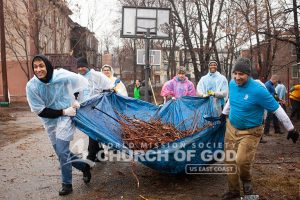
281	91
270	85
247	101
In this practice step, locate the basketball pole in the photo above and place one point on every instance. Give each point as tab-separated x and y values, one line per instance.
147	63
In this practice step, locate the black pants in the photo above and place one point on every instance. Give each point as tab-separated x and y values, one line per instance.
295	108
93	149
272	117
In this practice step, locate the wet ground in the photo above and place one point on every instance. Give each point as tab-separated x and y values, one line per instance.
29	169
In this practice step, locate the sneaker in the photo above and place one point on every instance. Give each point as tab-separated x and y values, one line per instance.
87	174
266	133
247	187
231	195
262	141
65	189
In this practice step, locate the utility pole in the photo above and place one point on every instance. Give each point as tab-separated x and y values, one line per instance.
3	53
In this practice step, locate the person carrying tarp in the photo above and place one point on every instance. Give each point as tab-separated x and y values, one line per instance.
244	127
119	87
178	86
50	94
214	84
97	83
295	100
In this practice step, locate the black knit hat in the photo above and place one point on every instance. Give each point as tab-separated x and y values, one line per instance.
82	62
213	61
242	65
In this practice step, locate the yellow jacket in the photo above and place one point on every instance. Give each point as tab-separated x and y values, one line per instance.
295	92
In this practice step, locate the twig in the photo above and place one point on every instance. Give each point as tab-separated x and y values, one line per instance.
143	197
135	176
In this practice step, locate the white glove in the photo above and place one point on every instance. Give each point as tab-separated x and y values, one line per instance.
69	111
173	98
76	104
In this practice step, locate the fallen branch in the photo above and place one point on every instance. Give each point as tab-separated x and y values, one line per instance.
141	135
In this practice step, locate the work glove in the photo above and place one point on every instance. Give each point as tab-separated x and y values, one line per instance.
114	89
210	93
69	111
294	135
174	98
76	104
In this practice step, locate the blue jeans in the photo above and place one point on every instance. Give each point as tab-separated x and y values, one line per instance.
67	159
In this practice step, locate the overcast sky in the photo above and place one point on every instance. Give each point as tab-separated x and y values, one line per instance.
97	15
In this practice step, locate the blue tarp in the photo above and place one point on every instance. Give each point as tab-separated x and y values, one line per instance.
171	157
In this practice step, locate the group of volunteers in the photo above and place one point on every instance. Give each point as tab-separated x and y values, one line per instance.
55	94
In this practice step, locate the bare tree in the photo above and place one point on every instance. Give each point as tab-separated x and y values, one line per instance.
34	28
17	35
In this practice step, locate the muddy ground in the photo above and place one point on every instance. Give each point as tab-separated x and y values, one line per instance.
29	169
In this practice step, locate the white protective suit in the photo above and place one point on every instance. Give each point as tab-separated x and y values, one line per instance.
119	87
58	94
217	83
97	82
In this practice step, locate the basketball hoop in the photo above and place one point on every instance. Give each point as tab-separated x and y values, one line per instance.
136	21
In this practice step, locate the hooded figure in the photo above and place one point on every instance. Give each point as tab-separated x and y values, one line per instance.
50	94
214	84
118	84
97	81
179	86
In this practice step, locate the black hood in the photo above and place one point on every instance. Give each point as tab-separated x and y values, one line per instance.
49	67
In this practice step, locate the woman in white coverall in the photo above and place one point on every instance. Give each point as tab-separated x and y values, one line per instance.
118	84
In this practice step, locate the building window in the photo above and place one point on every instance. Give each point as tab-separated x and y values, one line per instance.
157	79
293	50
295	71
166	66
165	78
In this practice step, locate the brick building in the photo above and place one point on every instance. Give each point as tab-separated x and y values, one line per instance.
284	63
42	26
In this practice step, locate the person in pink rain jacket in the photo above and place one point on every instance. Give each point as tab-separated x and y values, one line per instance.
178	86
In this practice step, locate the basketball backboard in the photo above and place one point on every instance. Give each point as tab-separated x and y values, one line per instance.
155	57
136	20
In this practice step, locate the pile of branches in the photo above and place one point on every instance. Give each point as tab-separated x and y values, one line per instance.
141	135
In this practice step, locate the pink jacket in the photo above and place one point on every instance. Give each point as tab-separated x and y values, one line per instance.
177	88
